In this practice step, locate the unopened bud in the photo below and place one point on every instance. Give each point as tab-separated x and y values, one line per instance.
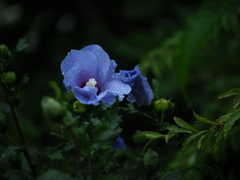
52	108
79	107
8	78
4	51
162	105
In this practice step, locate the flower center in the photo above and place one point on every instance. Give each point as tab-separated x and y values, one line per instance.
91	82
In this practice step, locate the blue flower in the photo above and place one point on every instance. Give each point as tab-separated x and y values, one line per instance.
90	74
141	92
119	143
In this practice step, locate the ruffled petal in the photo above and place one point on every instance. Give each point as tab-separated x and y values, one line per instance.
141	90
86	95
117	88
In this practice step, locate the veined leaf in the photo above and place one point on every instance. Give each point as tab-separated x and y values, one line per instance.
199	144
219	137
236	101
232	92
204	120
234	116
184	124
190	138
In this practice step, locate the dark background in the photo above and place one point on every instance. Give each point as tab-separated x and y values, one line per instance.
129	31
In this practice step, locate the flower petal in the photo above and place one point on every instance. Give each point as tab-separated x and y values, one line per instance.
141	90
86	95
117	88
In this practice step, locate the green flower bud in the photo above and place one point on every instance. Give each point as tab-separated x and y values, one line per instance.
4	51
139	137
162	105
52	108
8	78
3	123
79	107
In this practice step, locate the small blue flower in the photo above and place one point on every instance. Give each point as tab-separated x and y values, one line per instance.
119	143
90	74
141	92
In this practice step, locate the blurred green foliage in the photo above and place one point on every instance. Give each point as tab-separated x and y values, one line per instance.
189	50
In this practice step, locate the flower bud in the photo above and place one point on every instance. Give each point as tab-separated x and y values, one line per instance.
4	51
52	108
3	123
162	105
79	107
8	78
139	137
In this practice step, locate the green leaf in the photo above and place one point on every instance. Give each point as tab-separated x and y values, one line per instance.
174	129
56	134
152	135
190	138
55	175
236	101
184	124
150	159
199	144
23	43
201	27
232	92
233	117
25	78
204	120
169	136
56	155
150	141
219	135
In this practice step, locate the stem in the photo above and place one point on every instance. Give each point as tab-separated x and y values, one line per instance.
19	130
77	151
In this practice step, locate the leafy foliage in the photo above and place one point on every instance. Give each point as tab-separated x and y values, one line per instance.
190	53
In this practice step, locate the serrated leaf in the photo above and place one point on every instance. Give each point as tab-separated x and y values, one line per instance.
204	120
184	124
190	138
233	117
219	137
150	158
152	135
23	43
232	92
